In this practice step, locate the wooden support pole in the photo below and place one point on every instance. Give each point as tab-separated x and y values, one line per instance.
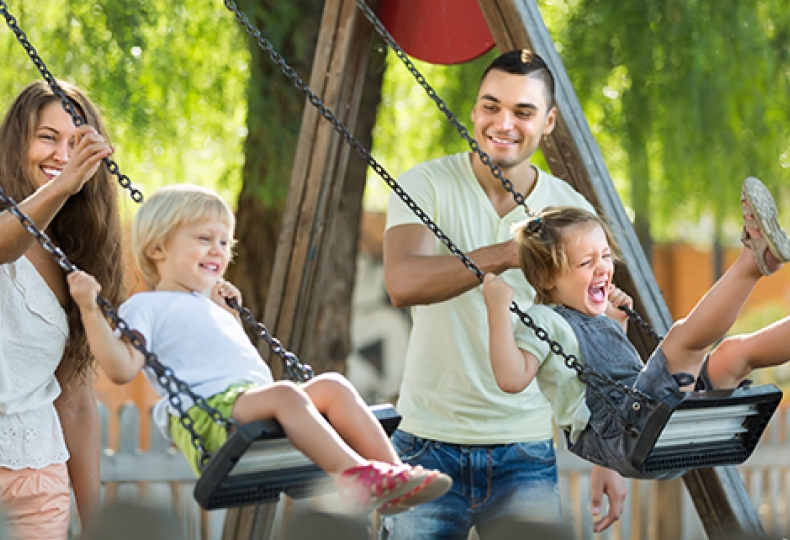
337	78
572	153
319	169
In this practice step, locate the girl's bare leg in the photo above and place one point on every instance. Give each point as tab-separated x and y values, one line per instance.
688	340
735	357
335	397
303	424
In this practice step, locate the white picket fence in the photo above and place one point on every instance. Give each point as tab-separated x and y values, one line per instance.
161	477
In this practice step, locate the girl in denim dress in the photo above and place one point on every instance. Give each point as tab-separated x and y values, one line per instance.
568	254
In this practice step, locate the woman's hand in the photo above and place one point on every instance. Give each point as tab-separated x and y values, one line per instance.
88	151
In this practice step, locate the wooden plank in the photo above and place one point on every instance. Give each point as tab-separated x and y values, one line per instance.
250	522
319	169
572	154
300	204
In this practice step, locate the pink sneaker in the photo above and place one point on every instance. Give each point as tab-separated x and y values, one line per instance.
434	484
366	487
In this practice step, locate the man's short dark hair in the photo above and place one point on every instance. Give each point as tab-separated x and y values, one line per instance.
524	62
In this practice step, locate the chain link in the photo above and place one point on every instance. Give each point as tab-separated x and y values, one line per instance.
643	324
297	371
585	374
591	378
123	180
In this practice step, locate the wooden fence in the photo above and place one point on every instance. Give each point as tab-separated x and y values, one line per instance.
655	510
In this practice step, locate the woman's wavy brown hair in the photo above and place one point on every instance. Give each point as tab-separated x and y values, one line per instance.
88	227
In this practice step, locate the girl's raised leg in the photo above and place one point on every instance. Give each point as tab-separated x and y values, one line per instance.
304	425
689	339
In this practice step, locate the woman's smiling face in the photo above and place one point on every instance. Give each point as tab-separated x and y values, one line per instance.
51	145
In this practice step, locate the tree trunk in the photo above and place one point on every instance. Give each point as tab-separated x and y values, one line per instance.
331	345
273	120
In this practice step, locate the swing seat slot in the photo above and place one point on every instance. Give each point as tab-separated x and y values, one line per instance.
257	463
703	429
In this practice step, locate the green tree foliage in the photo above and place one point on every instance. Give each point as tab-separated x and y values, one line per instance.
410	128
685	98
169	76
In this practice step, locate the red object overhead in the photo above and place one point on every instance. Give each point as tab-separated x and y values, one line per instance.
437	31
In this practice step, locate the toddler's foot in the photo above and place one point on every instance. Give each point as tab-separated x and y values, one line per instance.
366	487
434	485
762	233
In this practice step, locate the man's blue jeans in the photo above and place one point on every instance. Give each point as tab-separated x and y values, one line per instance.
489	483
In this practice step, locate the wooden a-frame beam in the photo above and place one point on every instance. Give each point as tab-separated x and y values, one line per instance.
572	154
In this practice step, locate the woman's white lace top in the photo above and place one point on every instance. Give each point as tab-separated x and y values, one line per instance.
33	332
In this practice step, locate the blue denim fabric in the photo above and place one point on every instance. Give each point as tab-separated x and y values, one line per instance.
605	349
489	482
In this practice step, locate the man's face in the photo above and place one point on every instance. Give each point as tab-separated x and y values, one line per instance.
510	116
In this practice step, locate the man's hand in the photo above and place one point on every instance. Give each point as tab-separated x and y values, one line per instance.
609	483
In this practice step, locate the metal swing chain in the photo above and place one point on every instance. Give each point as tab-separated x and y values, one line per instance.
165	376
123	180
646	327
464	133
296	370
440	103
583	371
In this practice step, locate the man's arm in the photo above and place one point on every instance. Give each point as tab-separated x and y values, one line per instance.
79	419
609	483
415	275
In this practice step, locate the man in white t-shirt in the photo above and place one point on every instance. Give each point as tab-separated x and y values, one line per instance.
497	447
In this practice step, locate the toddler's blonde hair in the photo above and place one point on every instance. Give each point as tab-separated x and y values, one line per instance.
166	210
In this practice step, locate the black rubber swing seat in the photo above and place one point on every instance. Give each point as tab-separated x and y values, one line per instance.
257	463
697	430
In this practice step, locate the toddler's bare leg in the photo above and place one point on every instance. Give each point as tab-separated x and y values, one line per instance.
334	396
304	425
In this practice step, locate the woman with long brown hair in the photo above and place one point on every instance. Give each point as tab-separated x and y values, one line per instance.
49	429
